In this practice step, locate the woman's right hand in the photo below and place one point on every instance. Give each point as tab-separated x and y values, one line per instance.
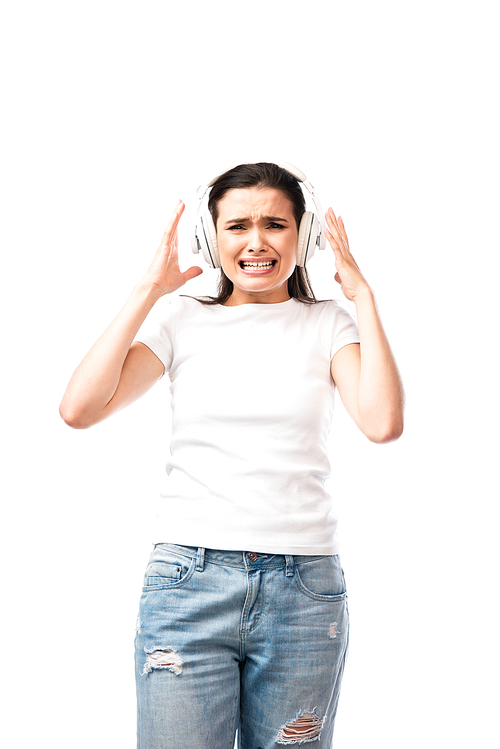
164	274
117	371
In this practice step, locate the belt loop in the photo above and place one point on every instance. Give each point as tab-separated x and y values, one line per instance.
200	559
289	565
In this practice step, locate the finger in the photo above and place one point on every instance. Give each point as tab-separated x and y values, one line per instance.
333	242
340	262
346	241
336	244
192	272
332	226
171	228
344	233
333	223
341	229
179	210
337	252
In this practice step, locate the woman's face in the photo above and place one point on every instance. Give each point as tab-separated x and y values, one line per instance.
257	237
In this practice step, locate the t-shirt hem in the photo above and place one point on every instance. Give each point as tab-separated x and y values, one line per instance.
154	347
344	342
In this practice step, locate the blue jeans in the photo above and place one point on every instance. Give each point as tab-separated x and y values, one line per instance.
231	640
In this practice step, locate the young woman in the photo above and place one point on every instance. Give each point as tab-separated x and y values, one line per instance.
243	619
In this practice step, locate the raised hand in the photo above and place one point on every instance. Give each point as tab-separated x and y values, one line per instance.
164	273
348	274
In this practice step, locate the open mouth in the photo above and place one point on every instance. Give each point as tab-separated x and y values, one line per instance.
257	266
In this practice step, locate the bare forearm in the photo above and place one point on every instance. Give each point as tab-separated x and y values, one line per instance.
96	378
114	373
380	394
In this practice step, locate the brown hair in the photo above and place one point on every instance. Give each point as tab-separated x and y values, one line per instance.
263	174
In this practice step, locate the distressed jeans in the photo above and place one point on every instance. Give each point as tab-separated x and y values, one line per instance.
233	641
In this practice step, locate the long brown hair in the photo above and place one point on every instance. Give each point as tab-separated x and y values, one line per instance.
263	174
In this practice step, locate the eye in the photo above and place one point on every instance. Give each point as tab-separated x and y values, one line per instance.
274	225
238	227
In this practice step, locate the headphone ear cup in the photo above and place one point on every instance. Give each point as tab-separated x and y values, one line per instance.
208	240
304	242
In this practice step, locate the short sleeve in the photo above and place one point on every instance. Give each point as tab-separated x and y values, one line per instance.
158	333
344	331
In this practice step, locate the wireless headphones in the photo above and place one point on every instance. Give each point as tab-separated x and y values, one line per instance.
311	229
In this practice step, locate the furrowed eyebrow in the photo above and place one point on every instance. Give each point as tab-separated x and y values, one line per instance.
246	218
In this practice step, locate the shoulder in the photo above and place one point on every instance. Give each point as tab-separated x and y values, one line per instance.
326	310
179	306
333	323
335	307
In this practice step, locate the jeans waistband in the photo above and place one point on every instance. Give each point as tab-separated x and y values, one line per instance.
239	559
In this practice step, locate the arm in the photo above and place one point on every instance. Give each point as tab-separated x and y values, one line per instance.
115	372
366	374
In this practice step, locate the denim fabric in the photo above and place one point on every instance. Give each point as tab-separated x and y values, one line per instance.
231	640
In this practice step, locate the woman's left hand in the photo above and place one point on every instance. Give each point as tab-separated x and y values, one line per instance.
348	274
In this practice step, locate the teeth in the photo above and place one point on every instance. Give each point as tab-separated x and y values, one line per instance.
257	265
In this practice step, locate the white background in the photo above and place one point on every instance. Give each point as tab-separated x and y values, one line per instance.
111	112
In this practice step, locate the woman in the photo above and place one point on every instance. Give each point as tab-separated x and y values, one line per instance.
243	619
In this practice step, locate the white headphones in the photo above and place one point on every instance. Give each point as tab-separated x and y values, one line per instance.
311	229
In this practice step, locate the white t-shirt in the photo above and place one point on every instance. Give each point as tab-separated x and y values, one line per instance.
252	402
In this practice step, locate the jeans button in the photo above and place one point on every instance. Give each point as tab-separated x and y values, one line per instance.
253	556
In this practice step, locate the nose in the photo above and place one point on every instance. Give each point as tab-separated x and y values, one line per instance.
257	240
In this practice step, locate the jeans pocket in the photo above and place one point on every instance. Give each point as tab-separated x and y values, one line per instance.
168	569
321	579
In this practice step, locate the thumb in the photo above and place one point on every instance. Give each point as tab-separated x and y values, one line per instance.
192	272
